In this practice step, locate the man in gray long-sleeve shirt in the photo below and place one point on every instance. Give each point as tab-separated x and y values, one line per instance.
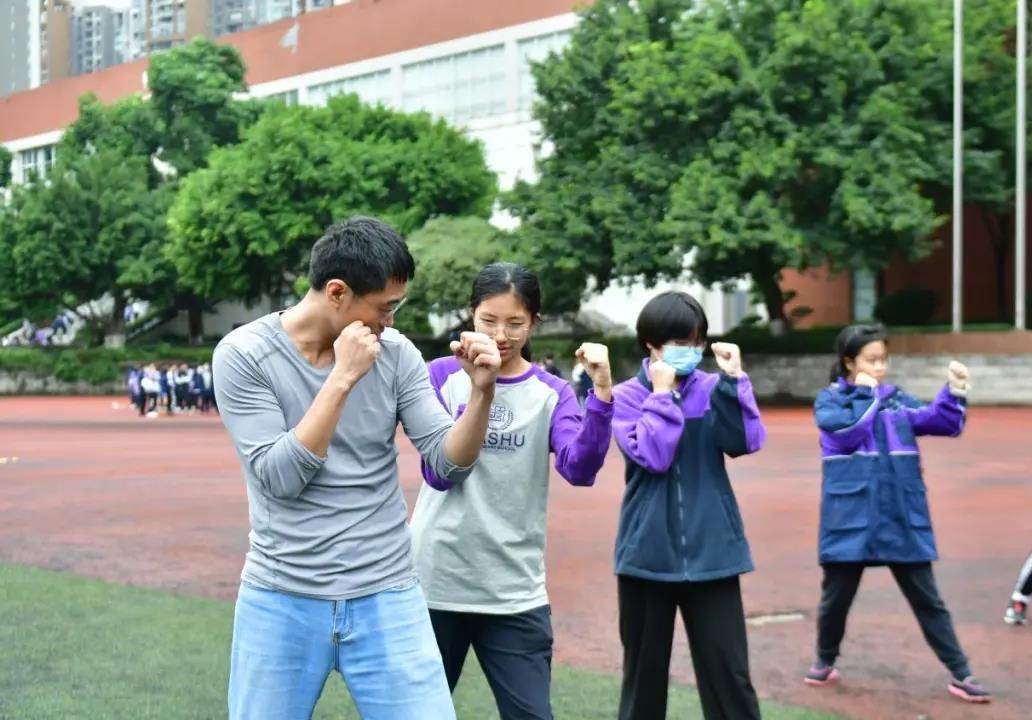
311	398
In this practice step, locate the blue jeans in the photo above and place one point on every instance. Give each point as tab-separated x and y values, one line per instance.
285	646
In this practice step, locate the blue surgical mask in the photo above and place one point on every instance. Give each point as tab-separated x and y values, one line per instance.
682	358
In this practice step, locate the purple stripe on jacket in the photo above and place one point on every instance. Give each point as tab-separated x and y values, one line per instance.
648	425
846	416
755	432
580	443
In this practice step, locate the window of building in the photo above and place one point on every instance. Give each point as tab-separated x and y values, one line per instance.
534	50
36	162
373	88
458	87
288	98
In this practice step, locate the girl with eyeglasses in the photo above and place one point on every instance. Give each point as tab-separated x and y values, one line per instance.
480	544
874	510
680	542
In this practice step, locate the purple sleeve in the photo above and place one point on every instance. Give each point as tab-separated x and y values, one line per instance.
440	369
737	427
580	444
943	416
845	418
647	426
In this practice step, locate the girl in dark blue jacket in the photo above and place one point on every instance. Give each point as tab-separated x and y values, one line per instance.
680	543
873	505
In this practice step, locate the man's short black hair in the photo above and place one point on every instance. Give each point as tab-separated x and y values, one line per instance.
363	252
671	315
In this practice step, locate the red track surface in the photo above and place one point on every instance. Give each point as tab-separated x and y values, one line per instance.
97	491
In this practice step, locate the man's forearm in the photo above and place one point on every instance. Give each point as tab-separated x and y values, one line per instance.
315	431
463	442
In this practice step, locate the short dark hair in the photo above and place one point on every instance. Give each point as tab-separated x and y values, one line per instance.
671	315
851	341
363	252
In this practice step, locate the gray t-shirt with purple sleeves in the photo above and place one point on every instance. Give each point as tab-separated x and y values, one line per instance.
480	544
331	527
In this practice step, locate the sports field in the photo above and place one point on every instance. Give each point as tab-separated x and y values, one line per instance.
89	489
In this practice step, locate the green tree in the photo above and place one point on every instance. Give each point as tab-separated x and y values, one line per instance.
5	166
79	235
84	233
563	235
748	137
192	88
9	301
449	252
242	228
128	127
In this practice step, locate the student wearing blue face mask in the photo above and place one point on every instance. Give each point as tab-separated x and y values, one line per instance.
680	542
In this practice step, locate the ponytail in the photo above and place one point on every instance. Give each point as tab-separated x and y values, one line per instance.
838	370
525	353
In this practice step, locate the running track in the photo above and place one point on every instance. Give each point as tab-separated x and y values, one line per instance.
97	491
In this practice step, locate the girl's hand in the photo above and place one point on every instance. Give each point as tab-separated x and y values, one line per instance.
479	357
729	358
664	377
595	359
957	374
866	380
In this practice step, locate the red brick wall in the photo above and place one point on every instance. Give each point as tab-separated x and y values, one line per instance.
831	297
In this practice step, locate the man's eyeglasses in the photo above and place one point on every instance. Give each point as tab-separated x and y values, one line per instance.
388	313
513	331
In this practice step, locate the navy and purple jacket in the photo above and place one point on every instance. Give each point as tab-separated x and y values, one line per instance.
874	507
679	520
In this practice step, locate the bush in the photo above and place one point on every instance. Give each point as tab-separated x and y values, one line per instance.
95	365
625	356
100	366
909	306
9	328
758	340
23	358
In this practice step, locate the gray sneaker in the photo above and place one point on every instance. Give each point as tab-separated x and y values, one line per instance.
821	674
1017	613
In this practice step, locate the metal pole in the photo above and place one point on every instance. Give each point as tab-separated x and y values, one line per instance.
958	162
1019	174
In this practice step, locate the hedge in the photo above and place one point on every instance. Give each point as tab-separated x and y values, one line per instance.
625	355
104	365
95	365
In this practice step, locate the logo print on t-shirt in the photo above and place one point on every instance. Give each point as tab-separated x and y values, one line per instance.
500	418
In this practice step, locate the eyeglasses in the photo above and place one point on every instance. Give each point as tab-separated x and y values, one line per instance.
513	331
386	314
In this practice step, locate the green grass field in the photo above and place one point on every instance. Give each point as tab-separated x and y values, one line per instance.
73	647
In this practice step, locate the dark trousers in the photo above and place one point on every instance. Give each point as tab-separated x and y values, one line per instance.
715	622
1024	584
183	396
515	652
917	582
